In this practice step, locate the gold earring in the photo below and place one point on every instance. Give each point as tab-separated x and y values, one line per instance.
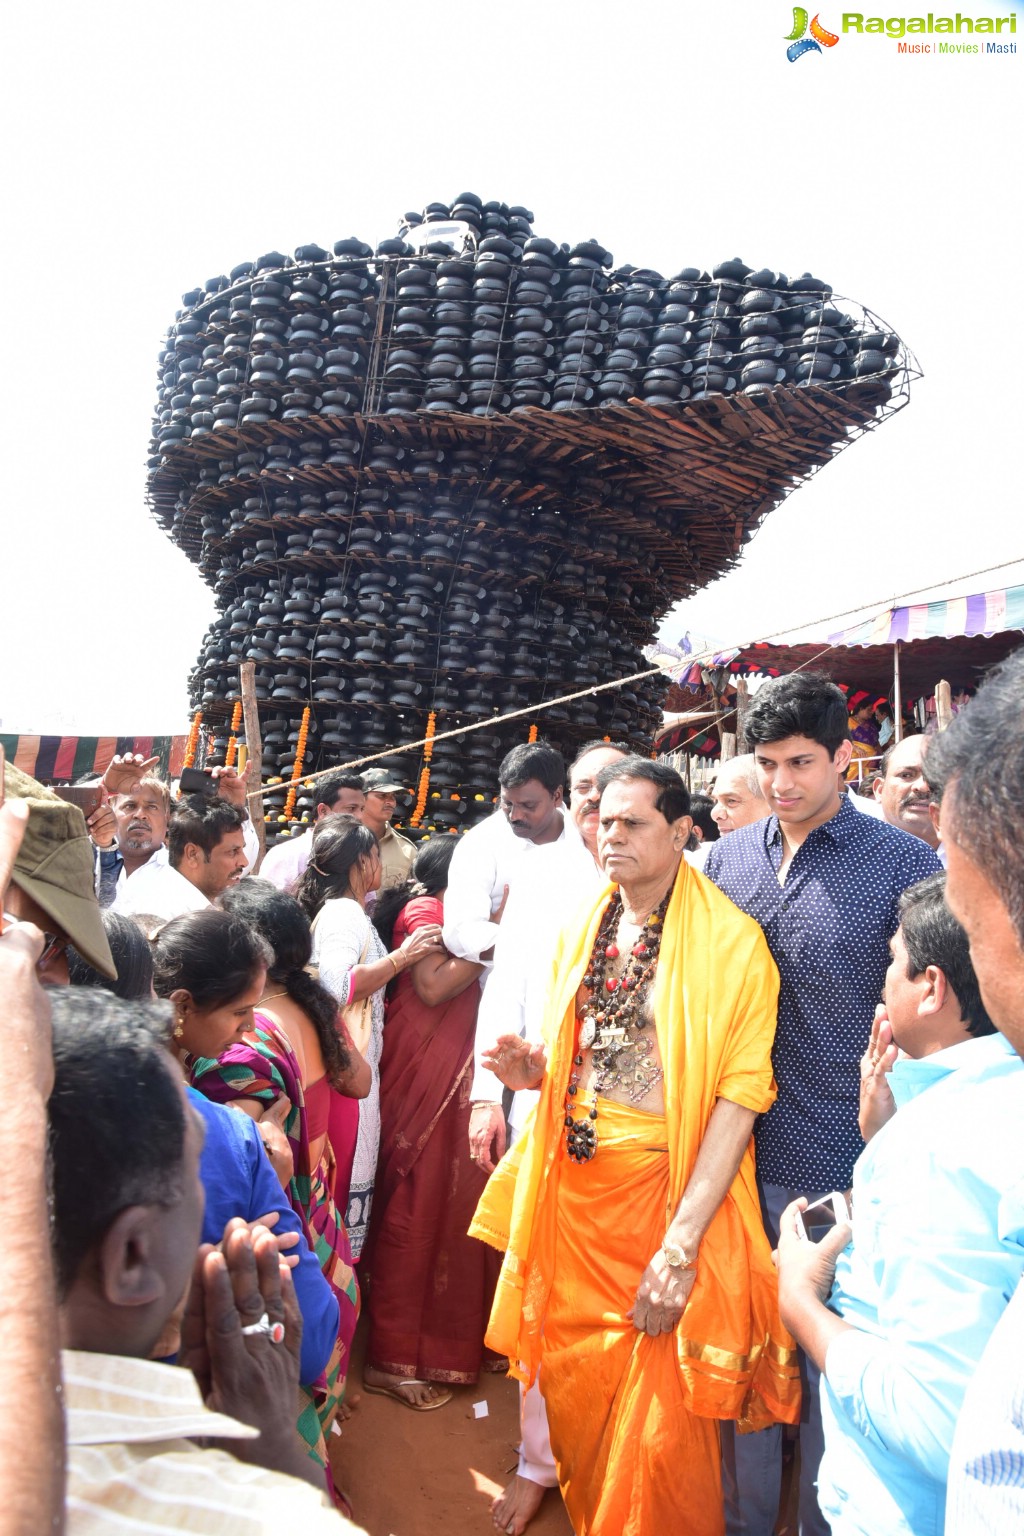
179	1026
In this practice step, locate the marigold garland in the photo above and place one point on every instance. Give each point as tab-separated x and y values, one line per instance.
532	735
193	740
423	787
296	773
232	749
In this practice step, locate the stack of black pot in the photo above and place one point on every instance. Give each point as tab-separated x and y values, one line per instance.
349	445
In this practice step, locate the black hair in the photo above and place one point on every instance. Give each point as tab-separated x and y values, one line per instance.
429	875
117	1118
592	746
278	918
673	798
800	704
533	760
211	955
701	807
133	960
980	758
329	786
933	936
339	842
199	820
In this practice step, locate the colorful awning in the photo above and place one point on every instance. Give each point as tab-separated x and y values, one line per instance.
984	613
75	757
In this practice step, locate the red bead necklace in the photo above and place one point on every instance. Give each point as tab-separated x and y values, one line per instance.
615	1006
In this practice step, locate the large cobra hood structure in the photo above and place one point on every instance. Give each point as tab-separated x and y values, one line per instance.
468	472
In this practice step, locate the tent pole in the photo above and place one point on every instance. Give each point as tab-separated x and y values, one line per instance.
897	693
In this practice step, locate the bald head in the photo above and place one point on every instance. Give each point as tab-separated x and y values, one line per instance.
737	794
902	790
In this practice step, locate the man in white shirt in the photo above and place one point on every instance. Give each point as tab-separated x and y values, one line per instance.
130	830
543	892
205	854
976	769
338	792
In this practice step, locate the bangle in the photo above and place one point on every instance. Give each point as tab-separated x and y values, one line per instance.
394	963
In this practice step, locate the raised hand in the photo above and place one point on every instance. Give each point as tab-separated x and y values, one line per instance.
126	770
877	1105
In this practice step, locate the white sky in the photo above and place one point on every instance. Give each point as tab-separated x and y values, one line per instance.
152	146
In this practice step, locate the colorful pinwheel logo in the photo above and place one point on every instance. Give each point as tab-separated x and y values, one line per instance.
799	43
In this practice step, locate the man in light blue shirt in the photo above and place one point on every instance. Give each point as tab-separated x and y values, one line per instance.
937	1244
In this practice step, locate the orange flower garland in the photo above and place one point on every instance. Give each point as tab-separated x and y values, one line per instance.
232	748
300	753
532	736
424	785
193	740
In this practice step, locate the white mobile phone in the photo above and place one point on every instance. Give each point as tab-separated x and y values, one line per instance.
830	1211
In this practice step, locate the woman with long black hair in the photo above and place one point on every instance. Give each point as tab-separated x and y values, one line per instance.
432	1283
355	967
282	1072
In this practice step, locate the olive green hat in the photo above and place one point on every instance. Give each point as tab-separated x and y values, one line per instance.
55	868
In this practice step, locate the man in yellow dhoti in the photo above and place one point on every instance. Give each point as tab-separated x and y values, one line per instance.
636	1269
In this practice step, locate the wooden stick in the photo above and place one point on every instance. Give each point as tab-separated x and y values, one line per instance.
943	706
254	752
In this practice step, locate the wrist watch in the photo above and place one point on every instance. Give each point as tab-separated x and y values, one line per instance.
676	1257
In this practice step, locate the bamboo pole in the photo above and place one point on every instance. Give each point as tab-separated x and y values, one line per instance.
254	751
943	706
897	694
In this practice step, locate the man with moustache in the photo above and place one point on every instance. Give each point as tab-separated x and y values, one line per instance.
205	854
637	1278
824	882
542	892
130	830
902	790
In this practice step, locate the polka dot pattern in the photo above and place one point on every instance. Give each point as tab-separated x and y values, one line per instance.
828	928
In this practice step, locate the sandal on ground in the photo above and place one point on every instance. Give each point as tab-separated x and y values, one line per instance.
399	1396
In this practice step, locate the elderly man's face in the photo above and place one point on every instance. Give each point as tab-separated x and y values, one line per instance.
996	950
904	794
636	846
735	806
584	797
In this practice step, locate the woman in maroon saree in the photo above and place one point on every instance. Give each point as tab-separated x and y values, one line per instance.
431	1285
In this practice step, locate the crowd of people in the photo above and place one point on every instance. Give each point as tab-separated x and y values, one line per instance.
702	1117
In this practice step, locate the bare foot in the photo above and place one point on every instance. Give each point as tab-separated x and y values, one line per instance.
513	1510
418	1394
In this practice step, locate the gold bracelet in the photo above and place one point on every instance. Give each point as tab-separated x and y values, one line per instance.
394	965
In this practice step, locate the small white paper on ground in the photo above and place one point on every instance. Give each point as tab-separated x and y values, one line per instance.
480	1410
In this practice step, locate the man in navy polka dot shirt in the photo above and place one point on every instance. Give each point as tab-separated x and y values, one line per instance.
824	882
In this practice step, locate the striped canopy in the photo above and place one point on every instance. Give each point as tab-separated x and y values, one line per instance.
985	613
74	757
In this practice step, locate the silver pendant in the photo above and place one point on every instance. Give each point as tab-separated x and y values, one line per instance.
588	1029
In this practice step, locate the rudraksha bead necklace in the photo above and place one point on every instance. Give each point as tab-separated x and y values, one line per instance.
611	1022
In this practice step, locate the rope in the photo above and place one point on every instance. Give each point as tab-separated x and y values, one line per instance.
619	682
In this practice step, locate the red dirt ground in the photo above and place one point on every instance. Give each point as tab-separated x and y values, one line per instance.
420	1474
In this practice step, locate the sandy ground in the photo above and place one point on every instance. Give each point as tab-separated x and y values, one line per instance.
418	1474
